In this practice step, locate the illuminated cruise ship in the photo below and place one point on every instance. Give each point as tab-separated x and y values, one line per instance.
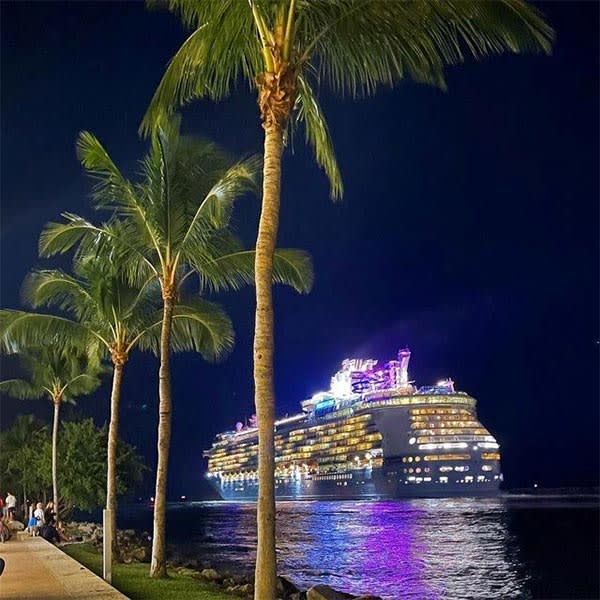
373	434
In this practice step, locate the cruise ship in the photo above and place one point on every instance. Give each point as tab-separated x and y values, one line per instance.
373	434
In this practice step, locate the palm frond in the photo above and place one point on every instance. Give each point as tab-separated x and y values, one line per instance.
83	384
21	389
317	135
58	238
213	212
358	45
232	271
122	242
197	326
224	48
51	287
21	330
111	189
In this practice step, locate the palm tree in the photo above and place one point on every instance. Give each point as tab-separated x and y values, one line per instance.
119	317
61	373
173	226
285	49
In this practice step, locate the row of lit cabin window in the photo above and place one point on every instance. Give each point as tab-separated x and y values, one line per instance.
303	455
445	432
288	471
435	457
441	411
482	435
467	416
447	469
327	429
404	401
444	424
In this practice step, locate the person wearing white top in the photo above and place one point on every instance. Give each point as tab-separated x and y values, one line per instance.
38	515
11	505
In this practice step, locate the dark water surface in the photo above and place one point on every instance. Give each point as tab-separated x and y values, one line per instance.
500	548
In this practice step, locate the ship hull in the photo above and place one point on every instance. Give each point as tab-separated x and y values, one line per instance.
352	487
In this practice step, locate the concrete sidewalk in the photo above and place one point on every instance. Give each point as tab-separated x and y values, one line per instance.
37	570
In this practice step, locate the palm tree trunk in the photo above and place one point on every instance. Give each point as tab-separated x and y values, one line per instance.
264	396
111	458
158	567
56	402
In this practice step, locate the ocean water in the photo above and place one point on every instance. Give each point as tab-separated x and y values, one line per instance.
521	547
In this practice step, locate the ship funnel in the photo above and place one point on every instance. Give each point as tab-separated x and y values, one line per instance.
403	359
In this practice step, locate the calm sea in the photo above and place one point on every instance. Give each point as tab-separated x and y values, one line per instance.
508	547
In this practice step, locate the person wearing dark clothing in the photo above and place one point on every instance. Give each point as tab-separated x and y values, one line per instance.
50	533
49	514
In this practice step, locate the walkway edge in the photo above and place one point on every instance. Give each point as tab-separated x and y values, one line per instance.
28	558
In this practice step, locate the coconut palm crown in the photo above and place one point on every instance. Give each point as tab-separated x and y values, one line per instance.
175	223
288	49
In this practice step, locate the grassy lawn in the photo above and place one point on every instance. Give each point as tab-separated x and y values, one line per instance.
133	581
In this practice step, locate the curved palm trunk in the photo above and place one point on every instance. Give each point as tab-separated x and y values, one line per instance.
264	396
111	453
158	567
56	402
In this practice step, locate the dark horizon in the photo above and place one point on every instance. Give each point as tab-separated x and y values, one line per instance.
468	231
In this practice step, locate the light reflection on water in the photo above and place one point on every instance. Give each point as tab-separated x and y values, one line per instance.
420	549
417	549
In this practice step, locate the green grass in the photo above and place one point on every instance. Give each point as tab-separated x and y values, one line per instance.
133	580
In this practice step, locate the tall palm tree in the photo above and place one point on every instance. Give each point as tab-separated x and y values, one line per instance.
61	373
104	308
286	49
173	226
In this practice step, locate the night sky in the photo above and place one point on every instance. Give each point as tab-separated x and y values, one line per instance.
468	231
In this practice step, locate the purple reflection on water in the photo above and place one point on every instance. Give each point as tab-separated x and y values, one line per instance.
392	544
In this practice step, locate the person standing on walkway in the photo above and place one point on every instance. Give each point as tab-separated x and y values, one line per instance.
38	515
49	514
11	505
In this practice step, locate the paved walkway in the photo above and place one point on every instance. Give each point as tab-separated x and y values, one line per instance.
37	570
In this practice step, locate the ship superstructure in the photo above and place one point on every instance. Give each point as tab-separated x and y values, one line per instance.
372	434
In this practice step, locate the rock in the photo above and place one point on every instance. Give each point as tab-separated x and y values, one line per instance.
246	588
285	587
210	575
187	572
127	532
15	526
298	596
191	564
368	597
324	592
140	554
